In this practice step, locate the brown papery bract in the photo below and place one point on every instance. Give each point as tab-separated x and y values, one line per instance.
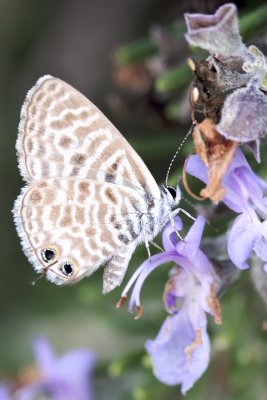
217	154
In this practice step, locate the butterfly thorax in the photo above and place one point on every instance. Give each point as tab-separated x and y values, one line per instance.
159	210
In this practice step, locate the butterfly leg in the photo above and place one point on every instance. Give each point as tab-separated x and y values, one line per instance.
156	245
171	218
147	244
175	212
115	269
147	248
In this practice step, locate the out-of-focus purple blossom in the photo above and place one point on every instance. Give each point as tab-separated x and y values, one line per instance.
65	378
244	115
245	195
180	353
218	33
5	392
61	378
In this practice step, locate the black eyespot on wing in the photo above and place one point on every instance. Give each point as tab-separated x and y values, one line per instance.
48	254
109	177
67	269
172	191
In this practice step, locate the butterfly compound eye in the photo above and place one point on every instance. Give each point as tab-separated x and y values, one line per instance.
67	269
48	254
172	191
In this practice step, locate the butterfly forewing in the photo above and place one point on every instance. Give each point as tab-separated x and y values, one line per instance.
63	134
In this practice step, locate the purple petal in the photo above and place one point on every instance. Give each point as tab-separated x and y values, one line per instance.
263	185
44	355
5	392
79	379
217	33
239	174
241	240
175	289
189	249
146	268
170	363
194	235
196	167
54	390
244	115
260	246
234	197
239	160
30	392
66	378
169	236
170	300
242	184
251	181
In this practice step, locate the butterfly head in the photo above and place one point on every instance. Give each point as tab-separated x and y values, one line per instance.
59	270
172	195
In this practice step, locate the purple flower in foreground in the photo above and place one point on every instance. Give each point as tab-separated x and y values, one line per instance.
217	33
180	353
245	195
62	378
5	392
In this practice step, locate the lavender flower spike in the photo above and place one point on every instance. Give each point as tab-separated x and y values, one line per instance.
63	378
246	195
217	33
180	353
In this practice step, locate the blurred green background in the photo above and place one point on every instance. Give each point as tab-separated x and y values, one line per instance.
76	40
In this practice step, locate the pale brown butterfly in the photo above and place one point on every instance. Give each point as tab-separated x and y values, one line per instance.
89	199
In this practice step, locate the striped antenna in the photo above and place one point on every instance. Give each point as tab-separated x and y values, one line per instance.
177	152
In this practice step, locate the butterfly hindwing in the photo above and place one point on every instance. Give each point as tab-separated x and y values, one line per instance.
87	222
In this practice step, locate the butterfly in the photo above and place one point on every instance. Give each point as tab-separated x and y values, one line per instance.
89	199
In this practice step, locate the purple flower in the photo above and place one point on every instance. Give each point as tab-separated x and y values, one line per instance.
244	116
5	392
63	378
217	33
180	353
245	194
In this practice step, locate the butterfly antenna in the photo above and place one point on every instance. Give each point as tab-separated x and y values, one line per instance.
201	212
177	152
190	204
